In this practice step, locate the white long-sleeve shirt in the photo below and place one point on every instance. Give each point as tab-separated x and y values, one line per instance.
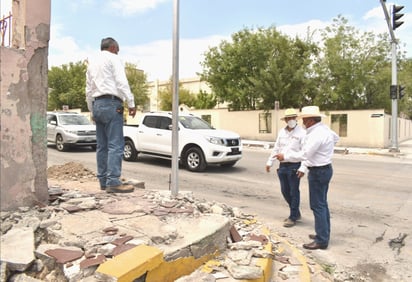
106	75
317	148
287	141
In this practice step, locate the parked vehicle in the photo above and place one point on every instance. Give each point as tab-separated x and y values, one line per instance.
200	144
67	129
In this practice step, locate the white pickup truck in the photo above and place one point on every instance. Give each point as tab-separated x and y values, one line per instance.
199	143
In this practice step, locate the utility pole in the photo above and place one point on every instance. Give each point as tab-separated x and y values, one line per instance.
175	103
394	86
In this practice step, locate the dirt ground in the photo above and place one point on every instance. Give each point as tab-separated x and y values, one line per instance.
73	176
70	171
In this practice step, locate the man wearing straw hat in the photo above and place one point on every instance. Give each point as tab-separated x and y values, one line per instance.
290	138
316	156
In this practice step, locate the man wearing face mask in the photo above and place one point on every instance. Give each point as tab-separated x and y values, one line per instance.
290	139
316	156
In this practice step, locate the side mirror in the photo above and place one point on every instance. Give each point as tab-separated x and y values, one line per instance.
53	122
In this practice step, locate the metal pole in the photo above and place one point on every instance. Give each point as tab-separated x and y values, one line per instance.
394	139
175	102
394	126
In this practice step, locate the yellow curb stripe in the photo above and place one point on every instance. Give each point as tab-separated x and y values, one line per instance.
131	264
169	271
264	263
304	272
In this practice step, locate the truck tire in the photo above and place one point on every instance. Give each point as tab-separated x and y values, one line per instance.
60	146
129	152
195	161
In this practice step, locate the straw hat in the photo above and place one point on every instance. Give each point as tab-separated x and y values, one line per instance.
290	113
310	111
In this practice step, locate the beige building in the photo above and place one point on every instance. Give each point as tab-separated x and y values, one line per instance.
358	128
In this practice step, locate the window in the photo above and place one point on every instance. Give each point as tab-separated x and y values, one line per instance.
150	121
265	123
340	124
207	118
165	122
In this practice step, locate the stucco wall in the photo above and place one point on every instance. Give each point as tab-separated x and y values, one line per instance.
23	107
365	128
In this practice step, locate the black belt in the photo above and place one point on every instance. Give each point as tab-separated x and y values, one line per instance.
288	163
108	96
323	166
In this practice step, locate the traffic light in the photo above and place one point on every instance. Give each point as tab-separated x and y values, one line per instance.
401	91
396	16
394	91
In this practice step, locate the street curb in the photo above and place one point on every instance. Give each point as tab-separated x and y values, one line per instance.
264	263
304	272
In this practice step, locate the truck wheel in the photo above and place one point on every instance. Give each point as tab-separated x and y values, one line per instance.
129	152
60	144
195	160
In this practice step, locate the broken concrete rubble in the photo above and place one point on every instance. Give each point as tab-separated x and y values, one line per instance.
77	232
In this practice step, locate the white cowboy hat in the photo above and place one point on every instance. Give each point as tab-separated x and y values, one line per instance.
290	113
310	111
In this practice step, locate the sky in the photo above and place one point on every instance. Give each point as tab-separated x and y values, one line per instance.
144	28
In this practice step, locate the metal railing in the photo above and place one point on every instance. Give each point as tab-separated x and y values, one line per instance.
5	30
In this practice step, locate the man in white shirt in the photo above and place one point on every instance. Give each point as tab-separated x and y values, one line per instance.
316	156
290	138
106	90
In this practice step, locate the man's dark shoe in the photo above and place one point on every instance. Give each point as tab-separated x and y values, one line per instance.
289	223
312	236
120	189
314	246
103	188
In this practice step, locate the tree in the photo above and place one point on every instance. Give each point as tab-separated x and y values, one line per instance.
259	67
353	71
404	79
138	85
67	86
205	100
166	97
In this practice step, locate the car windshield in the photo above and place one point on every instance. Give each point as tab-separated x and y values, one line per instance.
73	120
194	123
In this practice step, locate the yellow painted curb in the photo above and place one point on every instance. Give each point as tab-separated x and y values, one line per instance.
169	271
264	263
304	274
131	264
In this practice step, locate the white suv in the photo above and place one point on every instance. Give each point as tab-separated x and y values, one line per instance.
67	129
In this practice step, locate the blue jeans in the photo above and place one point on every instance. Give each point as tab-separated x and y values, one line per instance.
110	140
319	179
289	185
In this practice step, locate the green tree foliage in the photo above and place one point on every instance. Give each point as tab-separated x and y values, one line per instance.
138	85
353	71
348	69
205	100
259	67
404	79
166	97
67	86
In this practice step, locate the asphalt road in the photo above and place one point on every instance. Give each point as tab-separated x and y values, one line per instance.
370	199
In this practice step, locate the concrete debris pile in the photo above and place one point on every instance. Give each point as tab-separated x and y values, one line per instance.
77	232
